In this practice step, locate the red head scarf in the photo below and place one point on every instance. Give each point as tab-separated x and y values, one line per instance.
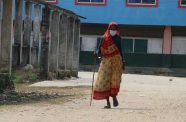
108	48
107	33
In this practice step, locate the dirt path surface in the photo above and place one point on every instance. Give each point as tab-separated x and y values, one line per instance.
142	98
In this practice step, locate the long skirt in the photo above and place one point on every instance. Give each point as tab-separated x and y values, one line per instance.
109	78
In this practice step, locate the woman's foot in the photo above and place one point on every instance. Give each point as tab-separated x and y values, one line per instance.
115	101
107	107
108	104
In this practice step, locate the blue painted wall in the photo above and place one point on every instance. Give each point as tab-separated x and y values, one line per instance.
167	13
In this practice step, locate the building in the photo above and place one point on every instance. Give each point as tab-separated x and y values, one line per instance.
39	37
153	31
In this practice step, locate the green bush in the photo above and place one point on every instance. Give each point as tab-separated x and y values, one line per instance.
17	78
5	82
32	77
22	77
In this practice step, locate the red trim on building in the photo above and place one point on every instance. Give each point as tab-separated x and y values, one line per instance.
179	4
52	1
141	5
91	4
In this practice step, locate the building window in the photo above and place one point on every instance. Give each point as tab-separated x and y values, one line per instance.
140	46
127	45
182	3
134	45
88	43
91	2
52	1
148	3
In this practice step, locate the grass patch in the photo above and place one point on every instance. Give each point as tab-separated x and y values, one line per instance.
24	77
17	78
32	77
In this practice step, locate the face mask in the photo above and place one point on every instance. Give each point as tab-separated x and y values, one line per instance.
113	32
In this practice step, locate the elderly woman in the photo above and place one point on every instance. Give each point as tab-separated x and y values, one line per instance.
110	70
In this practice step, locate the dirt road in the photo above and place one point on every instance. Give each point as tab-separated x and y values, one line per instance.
142	99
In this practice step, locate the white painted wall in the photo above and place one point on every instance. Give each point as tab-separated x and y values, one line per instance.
155	45
179	45
88	43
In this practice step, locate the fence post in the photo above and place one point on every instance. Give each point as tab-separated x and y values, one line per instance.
62	42
18	21
54	52
44	42
27	33
18	29
36	34
1	17
6	45
76	48
69	44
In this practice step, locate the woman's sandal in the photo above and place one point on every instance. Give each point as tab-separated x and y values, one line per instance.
115	102
108	106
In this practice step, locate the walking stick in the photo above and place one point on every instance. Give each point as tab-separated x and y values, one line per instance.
94	67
